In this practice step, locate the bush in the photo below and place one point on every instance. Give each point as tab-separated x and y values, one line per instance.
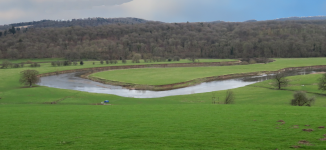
136	58
35	65
93	63
81	63
59	63
22	64
300	99
75	63
107	61
53	64
229	99
16	66
101	62
124	61
176	58
6	64
115	61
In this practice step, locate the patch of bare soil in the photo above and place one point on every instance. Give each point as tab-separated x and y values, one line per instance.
325	135
280	121
321	127
323	139
296	126
307	125
304	142
307	130
295	146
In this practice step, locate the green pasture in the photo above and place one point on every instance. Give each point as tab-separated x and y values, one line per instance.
161	76
27	121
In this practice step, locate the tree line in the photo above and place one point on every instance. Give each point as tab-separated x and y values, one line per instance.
167	40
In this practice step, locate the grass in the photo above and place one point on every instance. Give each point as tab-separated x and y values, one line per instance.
162	76
175	122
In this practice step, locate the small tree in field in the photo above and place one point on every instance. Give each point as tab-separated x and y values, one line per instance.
322	83
29	77
280	80
229	99
81	63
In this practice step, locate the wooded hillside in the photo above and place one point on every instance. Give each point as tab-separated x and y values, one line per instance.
153	39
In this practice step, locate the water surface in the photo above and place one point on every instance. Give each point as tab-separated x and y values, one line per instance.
73	82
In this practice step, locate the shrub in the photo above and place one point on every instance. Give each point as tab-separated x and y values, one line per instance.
176	58
93	63
81	63
16	66
75	63
22	64
53	64
136	58
6	64
115	61
124	61
229	99
300	99
101	62
35	65
107	61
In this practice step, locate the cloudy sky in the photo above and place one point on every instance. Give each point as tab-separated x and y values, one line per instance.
13	11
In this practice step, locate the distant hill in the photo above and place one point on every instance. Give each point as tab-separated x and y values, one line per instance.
75	22
302	18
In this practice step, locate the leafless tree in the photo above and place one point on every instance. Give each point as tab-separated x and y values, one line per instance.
279	80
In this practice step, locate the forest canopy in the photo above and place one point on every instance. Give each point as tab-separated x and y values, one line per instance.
155	39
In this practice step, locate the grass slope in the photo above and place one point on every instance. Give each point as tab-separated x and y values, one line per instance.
176	122
161	76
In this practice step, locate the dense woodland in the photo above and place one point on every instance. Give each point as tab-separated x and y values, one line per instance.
74	22
167	40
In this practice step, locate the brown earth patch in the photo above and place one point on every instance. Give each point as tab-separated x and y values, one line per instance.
307	130
307	125
304	142
280	121
295	146
321	127
323	139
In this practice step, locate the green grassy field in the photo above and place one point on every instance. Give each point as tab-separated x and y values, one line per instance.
161	76
175	122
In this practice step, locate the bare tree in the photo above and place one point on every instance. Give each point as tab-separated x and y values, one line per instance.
280	80
29	77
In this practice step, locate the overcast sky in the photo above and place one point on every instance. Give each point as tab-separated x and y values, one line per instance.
14	11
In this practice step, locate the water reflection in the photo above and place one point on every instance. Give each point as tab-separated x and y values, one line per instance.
73	82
